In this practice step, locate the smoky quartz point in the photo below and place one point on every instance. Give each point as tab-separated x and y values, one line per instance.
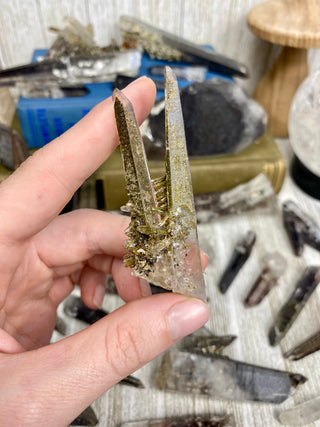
295	303
239	257
309	346
256	194
300	227
86	418
274	267
186	421
223	378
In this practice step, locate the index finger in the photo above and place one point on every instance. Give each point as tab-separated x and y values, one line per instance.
33	195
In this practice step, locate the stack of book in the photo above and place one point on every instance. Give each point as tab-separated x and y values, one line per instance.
209	174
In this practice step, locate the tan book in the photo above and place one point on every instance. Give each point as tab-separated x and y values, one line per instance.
208	173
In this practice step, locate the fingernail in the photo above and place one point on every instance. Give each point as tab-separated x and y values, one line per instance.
186	317
99	295
145	288
204	259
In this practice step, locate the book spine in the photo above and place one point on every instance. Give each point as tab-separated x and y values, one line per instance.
205	179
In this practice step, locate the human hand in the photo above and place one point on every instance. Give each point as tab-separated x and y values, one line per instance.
42	257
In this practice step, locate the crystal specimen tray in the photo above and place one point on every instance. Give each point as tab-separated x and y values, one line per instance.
163	243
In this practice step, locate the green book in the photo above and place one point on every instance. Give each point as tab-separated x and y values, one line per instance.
209	174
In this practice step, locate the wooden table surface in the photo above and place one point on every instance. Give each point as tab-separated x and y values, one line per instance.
218	238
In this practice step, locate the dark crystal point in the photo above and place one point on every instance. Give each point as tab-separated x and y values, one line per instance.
300	227
297	300
221	377
74	307
275	265
309	346
240	255
86	418
186	421
132	381
238	120
206	344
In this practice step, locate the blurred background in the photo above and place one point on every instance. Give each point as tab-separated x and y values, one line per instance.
222	24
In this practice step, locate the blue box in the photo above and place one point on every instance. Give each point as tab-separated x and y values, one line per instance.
44	119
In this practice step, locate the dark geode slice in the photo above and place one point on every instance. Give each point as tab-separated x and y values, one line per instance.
219	119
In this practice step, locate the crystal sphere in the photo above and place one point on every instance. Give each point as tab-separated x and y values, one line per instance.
304	134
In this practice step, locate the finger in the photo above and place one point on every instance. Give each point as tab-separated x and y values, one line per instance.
93	289
60	289
93	283
204	260
129	287
54	172
9	344
80	235
98	357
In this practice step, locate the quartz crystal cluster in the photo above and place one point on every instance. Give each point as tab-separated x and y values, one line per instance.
163	244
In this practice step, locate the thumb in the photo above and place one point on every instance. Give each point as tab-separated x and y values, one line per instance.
66	377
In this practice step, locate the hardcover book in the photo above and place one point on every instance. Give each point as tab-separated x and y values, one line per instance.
209	174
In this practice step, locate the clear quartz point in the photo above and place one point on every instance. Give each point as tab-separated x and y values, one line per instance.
300	415
163	243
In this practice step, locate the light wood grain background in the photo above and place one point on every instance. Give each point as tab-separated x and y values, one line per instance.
222	23
25	26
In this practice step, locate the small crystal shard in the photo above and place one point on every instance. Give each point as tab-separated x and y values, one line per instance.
240	255
206	344
295	303
203	341
186	421
254	194
74	307
86	418
132	381
307	347
221	377
163	243
300	227
275	266
305	413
